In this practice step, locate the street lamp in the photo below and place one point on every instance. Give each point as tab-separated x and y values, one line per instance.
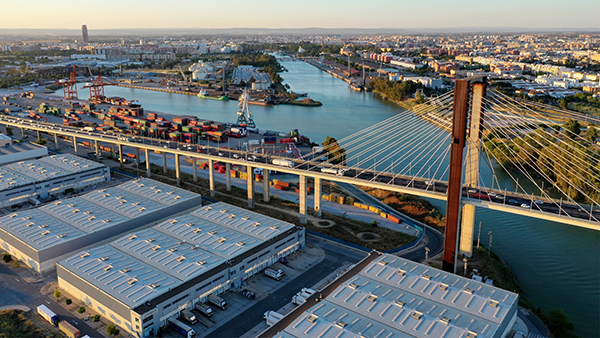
465	269
426	255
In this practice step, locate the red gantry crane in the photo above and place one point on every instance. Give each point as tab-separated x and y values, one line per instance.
70	86
97	89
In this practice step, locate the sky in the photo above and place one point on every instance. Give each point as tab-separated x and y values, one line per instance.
116	14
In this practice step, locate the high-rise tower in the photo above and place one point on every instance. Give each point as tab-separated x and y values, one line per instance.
84	32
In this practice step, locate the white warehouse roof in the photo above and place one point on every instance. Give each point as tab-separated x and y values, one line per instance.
395	297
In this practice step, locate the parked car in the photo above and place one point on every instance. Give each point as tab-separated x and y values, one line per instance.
525	205
248	294
512	201
283	260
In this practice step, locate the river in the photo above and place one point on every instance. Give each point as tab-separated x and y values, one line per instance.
557	265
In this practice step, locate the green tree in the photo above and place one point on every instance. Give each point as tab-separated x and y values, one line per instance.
9	131
96	318
419	97
41	141
81	309
112	330
559	325
562	103
57	294
573	128
335	153
591	134
6	257
68	301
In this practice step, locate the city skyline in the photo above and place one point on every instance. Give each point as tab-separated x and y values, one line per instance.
380	14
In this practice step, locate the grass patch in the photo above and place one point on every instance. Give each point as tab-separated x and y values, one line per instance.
14	323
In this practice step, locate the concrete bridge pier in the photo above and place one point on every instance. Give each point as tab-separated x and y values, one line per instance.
148	171
211	178
228	176
195	168
56	141
121	158
177	170
303	216
317	199
137	156
250	179
22	133
266	186
74	143
38	135
164	163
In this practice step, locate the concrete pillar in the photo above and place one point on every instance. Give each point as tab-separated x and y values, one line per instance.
211	178
56	141
97	149
113	148
38	135
137	156
177	170
75	144
317	199
467	225
250	171
22	133
148	172
164	162
195	168
303	217
121	155
228	174
266	186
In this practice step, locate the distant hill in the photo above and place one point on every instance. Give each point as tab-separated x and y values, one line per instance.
41	33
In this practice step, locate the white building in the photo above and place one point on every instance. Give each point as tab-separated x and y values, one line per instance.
42	236
48	176
142	279
17	152
395	297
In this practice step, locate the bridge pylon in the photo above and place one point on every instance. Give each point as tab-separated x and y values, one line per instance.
467	121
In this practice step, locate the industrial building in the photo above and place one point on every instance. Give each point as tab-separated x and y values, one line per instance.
142	279
42	236
48	176
395	297
17	152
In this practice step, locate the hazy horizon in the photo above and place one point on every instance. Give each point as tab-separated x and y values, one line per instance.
546	15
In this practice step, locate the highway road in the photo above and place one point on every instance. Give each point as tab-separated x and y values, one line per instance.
433	238
15	291
335	257
522	204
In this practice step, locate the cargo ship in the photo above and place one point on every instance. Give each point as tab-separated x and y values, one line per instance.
205	95
356	86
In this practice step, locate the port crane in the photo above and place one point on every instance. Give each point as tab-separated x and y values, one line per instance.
97	88
244	114
70	85
186	81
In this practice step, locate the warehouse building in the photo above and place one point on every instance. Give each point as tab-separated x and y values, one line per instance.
44	235
142	279
48	176
395	297
16	152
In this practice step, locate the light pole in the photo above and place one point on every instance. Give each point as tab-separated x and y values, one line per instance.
426	255
478	235
465	269
490	247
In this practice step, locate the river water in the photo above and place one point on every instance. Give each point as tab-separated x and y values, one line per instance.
557	265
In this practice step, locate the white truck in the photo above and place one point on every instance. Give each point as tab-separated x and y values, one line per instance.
302	296
181	328
88	129
283	163
275	274
218	301
334	171
48	314
204	309
272	317
188	316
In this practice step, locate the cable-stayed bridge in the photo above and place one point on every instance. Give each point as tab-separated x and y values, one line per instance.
472	147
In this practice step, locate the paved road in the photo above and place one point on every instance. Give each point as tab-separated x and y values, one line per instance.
434	239
335	257
15	291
